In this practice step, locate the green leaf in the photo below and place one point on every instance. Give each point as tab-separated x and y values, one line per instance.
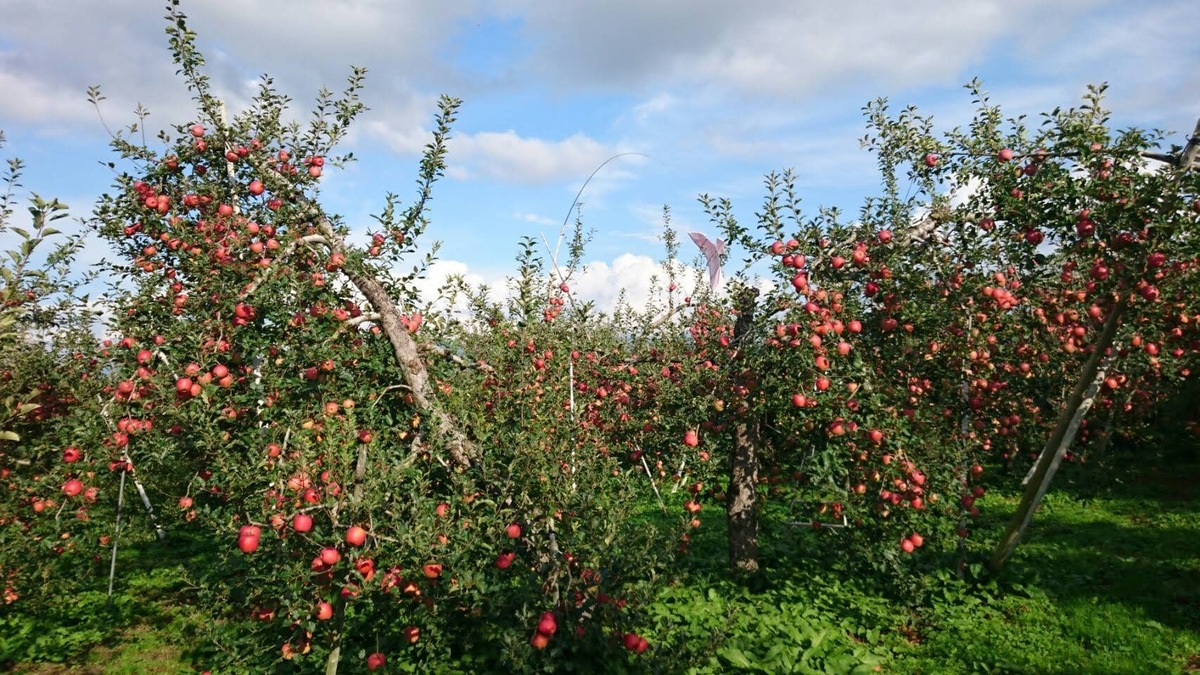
9	436
735	657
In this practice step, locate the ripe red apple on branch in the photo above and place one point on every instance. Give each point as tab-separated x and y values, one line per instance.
356	536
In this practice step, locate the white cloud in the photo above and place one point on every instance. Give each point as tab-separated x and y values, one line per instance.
440	272
51	52
1148	50
632	276
654	106
31	99
778	47
601	282
510	157
535	219
406	140
402	123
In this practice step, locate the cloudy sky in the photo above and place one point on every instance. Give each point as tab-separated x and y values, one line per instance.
713	94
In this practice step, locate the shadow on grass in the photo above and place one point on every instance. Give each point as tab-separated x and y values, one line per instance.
79	626
1131	473
1148	565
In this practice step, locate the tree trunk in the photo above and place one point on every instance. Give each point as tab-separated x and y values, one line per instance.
335	656
742	500
1061	438
408	359
742	497
404	347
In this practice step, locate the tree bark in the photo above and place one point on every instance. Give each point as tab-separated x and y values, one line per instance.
334	658
408	357
741	499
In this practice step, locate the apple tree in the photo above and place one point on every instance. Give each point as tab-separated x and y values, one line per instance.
375	495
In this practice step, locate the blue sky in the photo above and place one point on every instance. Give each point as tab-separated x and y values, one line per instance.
715	94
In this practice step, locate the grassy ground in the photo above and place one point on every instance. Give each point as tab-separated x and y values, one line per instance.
1103	585
1107	582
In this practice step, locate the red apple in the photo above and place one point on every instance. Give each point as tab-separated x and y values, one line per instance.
376	661
302	522
513	531
356	536
330	556
547	625
248	539
365	567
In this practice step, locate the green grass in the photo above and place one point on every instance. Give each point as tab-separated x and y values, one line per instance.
1107	582
1104	585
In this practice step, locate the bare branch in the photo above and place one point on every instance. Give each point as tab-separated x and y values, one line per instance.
439	350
